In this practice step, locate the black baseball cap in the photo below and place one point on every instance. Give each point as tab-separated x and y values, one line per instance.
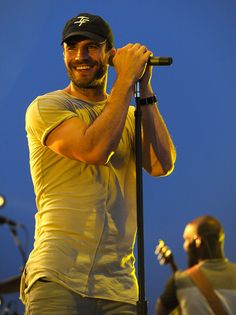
89	26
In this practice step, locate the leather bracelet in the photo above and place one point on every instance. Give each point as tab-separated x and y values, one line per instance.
147	101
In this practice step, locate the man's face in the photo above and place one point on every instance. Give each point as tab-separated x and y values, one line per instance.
189	236
86	63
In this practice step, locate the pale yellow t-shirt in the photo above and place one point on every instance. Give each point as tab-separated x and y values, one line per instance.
86	219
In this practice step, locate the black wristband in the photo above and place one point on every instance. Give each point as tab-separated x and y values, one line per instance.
147	101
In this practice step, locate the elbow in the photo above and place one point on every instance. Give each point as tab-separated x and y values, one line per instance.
168	168
163	164
162	169
96	158
169	164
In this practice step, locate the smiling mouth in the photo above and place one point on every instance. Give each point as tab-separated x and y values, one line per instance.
85	67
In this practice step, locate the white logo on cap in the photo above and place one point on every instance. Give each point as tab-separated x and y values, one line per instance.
81	20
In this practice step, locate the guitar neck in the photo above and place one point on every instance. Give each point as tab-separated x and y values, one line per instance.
173	266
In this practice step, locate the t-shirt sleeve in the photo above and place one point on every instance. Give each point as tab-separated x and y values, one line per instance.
168	297
44	114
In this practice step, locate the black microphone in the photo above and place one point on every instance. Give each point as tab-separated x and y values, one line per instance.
160	61
4	220
152	61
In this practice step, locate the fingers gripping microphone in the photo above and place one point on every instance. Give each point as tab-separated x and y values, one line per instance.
152	61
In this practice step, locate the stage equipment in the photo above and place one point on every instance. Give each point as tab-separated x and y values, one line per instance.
142	308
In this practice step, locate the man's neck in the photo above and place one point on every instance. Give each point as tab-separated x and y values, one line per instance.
94	95
213	256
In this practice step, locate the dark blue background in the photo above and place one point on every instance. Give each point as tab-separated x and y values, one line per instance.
196	97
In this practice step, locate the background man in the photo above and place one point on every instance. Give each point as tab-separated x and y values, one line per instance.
203	243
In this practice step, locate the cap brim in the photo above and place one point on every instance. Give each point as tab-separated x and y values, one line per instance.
89	35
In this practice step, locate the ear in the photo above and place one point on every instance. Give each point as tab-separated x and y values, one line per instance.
112	53
198	241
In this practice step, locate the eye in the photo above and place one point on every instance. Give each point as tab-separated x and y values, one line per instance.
92	47
71	47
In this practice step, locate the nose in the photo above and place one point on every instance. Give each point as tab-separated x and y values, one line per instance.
81	54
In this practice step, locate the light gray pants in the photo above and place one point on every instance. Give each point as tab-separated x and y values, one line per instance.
47	298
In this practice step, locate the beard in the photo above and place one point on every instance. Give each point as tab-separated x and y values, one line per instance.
98	79
193	256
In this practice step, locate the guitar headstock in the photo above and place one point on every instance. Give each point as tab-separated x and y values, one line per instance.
164	255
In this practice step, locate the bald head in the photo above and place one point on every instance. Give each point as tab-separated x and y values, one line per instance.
203	239
208	226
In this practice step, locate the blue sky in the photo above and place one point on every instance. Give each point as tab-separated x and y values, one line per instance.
196	98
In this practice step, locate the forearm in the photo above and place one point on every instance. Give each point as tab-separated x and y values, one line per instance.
162	310
168	302
158	149
106	131
129	63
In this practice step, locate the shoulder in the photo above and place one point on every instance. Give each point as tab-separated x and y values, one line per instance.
231	266
182	279
45	105
48	111
51	99
217	264
219	270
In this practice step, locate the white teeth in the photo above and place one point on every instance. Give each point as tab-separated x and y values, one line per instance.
83	68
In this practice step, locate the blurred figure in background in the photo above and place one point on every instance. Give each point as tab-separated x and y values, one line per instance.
204	245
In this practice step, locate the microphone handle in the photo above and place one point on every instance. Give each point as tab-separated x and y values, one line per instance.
160	61
152	61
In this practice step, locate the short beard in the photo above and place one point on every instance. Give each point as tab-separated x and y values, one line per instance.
192	255
98	80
